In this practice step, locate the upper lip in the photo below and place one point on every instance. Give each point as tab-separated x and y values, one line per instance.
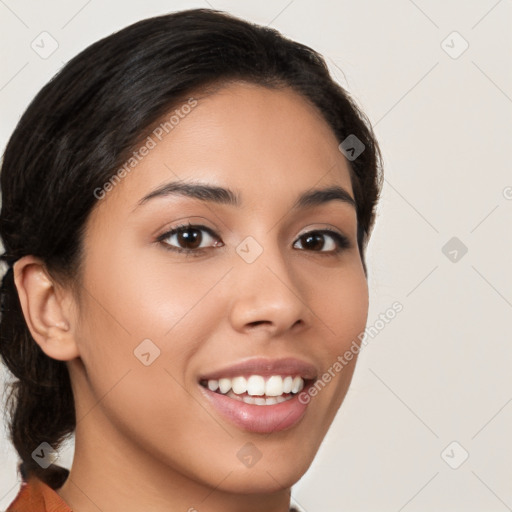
266	368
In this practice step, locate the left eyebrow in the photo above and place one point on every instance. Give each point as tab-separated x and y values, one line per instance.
321	196
220	195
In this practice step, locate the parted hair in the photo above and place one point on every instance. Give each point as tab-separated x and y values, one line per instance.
80	128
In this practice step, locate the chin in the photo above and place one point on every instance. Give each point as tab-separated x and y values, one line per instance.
266	478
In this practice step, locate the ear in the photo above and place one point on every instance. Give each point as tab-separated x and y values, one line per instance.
46	308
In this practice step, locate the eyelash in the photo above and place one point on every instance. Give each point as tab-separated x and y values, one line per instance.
342	241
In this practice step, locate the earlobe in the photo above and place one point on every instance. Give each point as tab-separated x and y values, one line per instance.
44	308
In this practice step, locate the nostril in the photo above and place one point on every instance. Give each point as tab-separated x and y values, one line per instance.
254	324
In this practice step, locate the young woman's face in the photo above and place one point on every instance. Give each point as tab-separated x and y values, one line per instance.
257	290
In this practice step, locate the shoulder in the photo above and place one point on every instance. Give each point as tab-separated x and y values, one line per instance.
36	496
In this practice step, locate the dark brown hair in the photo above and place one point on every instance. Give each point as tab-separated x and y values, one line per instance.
78	130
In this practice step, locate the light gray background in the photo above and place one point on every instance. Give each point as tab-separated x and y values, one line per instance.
440	371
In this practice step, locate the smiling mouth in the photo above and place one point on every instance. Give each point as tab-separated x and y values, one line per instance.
257	389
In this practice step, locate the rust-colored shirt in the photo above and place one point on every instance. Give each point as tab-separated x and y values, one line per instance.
35	496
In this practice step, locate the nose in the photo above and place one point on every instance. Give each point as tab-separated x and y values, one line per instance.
267	295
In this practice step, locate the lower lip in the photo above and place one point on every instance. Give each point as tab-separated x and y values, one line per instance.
263	419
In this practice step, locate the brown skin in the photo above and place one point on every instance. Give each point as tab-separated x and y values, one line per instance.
146	439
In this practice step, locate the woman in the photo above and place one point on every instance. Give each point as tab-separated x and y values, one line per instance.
185	212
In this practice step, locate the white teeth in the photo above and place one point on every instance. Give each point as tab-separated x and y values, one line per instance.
287	384
239	385
256	386
298	384
274	386
258	400
224	385
213	385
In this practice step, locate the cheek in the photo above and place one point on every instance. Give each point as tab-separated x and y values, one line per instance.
147	320
343	312
343	309
141	297
137	376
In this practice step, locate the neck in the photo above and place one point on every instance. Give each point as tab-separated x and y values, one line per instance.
111	473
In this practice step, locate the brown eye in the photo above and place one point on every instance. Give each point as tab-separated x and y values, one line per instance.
189	238
315	241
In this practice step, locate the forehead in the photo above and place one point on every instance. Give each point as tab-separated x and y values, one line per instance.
266	144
